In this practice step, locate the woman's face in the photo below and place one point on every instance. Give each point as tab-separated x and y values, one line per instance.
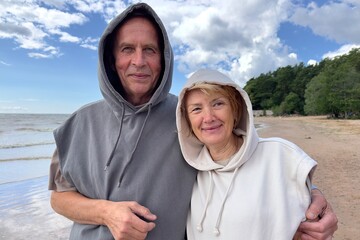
211	117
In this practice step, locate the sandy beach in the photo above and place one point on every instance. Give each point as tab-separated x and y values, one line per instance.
335	145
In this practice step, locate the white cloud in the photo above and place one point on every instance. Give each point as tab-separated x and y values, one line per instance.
65	37
341	51
39	55
227	36
87	5
5	63
336	20
48	52
88	46
312	62
55	3
32	26
47	18
241	38
293	56
107	8
90	43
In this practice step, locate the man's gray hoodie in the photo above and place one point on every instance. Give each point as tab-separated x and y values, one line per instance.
113	150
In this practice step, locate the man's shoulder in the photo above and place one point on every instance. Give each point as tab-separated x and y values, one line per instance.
87	112
171	99
93	107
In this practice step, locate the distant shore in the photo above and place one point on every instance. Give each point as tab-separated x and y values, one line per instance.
335	145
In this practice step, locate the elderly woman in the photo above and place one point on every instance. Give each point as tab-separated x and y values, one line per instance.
247	187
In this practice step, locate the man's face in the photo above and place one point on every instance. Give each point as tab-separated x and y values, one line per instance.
137	59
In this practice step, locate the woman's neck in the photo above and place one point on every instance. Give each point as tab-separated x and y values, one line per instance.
220	153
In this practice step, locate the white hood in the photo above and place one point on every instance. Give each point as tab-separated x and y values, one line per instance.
193	150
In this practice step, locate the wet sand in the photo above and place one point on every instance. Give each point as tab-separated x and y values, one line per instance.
25	212
335	145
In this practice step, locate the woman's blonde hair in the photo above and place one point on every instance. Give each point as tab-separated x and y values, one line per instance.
228	92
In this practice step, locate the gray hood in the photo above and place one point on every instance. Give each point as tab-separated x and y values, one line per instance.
194	152
108	78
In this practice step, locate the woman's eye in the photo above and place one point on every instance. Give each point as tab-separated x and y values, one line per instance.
194	110
218	104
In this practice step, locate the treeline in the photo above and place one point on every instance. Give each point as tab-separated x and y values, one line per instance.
332	87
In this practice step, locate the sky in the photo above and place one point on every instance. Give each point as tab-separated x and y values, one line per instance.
48	49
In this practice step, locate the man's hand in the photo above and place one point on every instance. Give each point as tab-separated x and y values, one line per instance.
124	220
321	220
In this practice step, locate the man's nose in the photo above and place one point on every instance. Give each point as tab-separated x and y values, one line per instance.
138	58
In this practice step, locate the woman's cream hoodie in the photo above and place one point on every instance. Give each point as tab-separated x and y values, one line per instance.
262	193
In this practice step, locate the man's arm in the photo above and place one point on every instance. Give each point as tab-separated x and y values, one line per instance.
120	217
322	221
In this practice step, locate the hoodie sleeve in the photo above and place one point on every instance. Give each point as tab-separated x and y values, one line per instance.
56	180
305	172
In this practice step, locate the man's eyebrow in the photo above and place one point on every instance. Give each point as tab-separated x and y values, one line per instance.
122	44
151	45
127	44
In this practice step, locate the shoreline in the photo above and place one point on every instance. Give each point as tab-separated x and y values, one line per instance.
334	144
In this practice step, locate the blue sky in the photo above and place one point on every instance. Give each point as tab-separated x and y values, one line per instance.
48	49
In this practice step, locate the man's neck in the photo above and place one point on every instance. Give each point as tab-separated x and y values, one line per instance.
137	101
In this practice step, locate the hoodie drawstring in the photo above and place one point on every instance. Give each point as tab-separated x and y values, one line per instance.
199	226
117	140
216	228
136	144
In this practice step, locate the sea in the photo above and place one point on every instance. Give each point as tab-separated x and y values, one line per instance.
26	147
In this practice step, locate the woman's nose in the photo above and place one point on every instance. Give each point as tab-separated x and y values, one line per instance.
208	115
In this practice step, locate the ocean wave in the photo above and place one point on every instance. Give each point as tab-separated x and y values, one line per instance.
21	145
44	176
29	129
25	158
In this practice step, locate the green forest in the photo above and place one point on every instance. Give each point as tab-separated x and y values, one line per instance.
331	87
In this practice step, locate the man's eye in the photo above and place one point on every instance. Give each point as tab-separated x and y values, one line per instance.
149	50
126	49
